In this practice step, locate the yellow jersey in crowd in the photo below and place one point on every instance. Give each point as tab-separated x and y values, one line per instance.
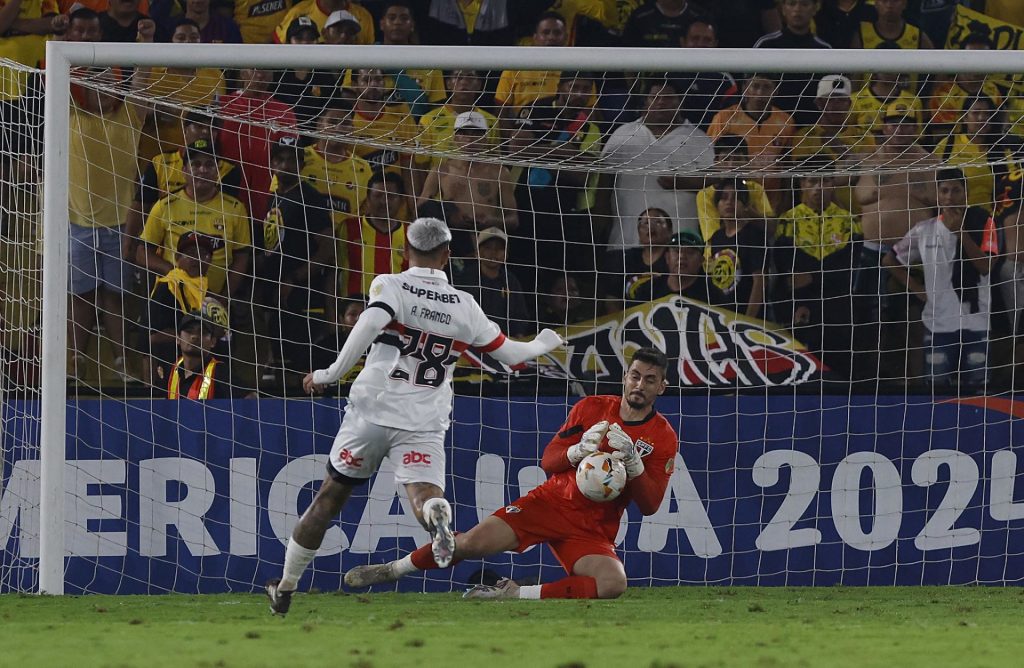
222	218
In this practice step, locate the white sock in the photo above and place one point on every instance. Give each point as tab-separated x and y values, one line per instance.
428	507
296	558
403	566
530	591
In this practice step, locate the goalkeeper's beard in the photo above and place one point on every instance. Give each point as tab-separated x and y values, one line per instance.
636	405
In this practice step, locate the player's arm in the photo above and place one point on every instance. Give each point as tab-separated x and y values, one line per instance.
369	325
516	352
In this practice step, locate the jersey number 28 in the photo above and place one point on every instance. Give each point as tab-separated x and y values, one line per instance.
432	351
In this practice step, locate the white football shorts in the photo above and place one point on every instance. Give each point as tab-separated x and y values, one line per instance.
361	446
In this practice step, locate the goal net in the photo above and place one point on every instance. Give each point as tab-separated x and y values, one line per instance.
828	259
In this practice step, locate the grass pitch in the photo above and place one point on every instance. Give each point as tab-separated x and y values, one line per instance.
921	626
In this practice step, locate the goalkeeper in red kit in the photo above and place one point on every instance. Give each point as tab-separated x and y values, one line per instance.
580	532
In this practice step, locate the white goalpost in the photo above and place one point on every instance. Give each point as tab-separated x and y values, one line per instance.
774	522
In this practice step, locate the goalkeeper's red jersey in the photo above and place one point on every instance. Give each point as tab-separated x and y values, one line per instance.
655	439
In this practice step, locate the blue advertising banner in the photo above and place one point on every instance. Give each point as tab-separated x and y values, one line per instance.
201	497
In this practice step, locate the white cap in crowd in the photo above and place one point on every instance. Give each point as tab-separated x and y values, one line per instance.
471	120
835	84
342	16
426	234
489	233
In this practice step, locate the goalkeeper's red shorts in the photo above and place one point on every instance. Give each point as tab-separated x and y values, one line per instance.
569	533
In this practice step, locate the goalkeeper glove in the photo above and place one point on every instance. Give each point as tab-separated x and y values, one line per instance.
625	450
589	444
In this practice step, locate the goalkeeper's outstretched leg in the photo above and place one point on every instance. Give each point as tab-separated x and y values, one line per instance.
593	572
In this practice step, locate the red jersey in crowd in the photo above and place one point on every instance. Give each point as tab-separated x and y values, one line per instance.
245	139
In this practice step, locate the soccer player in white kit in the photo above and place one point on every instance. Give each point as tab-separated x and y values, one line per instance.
400	402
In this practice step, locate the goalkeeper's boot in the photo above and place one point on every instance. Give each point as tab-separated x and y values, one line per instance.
280	601
439	516
365	576
504	589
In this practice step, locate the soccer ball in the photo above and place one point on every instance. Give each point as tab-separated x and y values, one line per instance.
600	477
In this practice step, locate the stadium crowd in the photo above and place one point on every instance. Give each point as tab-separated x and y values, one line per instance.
870	213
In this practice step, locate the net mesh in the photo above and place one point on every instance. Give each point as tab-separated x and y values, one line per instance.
796	244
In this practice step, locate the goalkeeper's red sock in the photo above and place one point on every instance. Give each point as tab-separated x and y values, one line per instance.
574	586
423	557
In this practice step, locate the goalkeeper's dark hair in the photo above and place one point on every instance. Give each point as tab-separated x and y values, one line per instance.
652	356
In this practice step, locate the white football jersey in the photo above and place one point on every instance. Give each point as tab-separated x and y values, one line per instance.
406	382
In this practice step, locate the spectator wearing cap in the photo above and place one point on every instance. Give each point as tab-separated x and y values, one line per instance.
493	285
621	270
214	27
660	139
304	91
833	142
731	156
707	93
470	195
371	244
383	120
947	100
815	257
684	274
768	130
956	250
197	373
437	126
341	27
838	21
738	251
882	89
659	24
982	148
331	165
202	207
104	130
252	121
452	22
320	10
833	138
182	290
795	92
296	268
165	175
